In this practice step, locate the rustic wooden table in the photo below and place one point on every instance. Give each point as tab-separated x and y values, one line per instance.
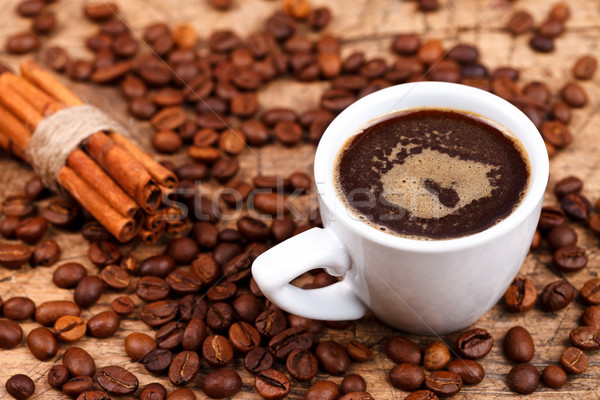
366	25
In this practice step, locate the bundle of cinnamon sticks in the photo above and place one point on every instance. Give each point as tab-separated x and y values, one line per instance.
119	184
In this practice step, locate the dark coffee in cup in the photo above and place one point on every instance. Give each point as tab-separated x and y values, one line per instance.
432	174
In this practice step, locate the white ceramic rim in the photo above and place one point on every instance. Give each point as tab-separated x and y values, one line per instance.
537	153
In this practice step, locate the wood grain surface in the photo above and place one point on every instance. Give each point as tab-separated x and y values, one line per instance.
366	25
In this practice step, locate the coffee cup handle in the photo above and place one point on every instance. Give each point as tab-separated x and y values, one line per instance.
315	248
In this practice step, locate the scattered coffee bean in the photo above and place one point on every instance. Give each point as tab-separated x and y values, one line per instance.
18	308
562	236
78	362
69	328
117	380
585	67
554	376
153	391
475	343
48	312
282	344
520	295
45	253
20	386
574	95
104	324
88	291
405	376
570	258
123	306
57	376
523	378
518	345
444	383
568	185
222	383
272	384
77	385
42	343
574	360
471	372
31	230
401	350
302	365
333	357
11	334
585	338
12	256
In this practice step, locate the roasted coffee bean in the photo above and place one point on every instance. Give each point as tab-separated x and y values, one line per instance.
117	380
11	334
541	44
406	376
288	133
104	324
94	232
360	352
283	228
30	8
35	188
353	383
518	345
585	67
88	291
436	355
401	350
270	322
554	376
61	212
123	306
142	108
282	344
183	282
193	335
17	206
269	203
523	378
219	317
570	258
551	217
520	295
590	292
57	376
562	236
272	384
536	241
68	275
319	18
42	343
8	227
100	11
568	185
560	111
45	253
224	169
18	308
591	317
56	58
169	119
12	256
594	225
471	372
280	26
336	100
222	383
205	234
406	44
322	390
21	43
159	312
444	383
157	361
80	70
20	386
560	11
557	295
184	368
78	362
192	306
258	359
31	230
192	171
302	365
247	307
166	142
115	277
182	250
422	395
47	313
170	335
253	229
69	328
551	28
138	344
312	325
93	395
77	385
475	343
217	351
159	266
585	338
104	253
244	336
153	391
556	133
332	356
576	206
205	267
574	95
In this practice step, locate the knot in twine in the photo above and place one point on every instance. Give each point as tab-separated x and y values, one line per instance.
57	135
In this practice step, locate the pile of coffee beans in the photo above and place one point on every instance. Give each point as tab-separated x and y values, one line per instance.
198	296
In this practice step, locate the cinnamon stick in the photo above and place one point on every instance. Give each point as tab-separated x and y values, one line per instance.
128	173
155	222
96	177
19	106
14	129
48	83
37	98
162	175
123	228
78	160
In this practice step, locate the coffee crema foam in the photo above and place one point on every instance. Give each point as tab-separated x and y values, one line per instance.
432	174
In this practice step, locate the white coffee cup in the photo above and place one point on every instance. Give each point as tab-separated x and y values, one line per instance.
428	287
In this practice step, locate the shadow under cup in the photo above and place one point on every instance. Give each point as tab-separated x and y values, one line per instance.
431	286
